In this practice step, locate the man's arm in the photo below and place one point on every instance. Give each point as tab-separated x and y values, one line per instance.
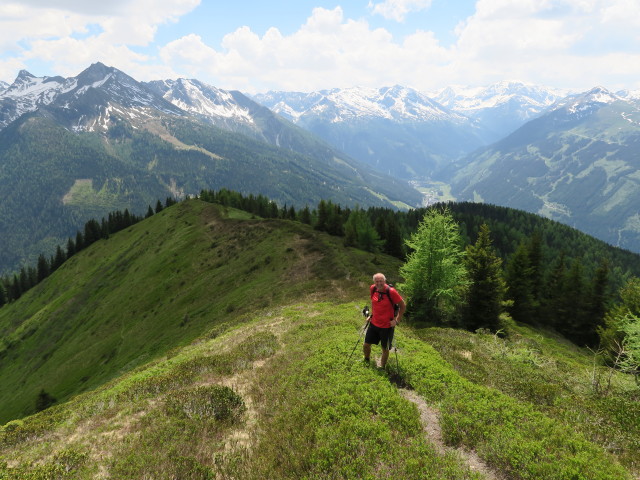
401	309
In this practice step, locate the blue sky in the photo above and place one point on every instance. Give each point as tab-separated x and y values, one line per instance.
305	45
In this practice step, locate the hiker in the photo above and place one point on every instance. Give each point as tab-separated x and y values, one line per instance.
388	307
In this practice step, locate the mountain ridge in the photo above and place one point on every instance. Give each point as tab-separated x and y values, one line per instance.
136	148
576	164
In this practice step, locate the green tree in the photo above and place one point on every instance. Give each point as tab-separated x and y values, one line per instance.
552	305
596	303
323	216
630	327
44	268
44	400
92	232
435	276
358	232
71	248
621	321
389	231
534	248
59	259
575	325
519	289
305	215
486	288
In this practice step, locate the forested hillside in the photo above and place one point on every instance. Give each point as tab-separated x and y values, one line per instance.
53	180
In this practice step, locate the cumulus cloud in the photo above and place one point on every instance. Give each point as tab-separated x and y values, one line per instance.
71	34
327	51
562	43
398	9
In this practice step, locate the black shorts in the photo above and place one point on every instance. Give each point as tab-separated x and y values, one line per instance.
376	335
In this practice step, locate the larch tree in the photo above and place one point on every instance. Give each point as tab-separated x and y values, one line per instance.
434	273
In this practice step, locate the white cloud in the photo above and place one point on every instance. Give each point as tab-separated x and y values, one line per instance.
327	51
563	43
567	43
71	34
398	9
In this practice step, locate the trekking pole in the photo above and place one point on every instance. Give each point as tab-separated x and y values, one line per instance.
365	312
396	349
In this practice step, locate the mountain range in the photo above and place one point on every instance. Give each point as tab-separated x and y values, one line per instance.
578	163
409	134
77	148
572	157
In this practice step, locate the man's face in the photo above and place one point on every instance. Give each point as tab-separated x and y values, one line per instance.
379	283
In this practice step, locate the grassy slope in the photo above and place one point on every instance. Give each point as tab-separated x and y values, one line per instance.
274	396
158	285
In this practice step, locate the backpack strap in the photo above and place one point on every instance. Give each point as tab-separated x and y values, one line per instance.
386	292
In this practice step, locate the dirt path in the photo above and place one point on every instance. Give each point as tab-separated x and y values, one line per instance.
430	419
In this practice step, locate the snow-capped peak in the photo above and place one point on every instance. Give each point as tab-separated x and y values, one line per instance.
395	103
468	100
197	97
600	95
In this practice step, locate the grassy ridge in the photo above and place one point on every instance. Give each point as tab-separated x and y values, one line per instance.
276	397
160	284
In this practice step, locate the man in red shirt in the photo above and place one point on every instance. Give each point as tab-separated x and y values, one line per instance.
384	317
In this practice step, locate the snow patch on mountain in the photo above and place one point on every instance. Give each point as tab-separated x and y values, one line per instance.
529	99
197	97
397	103
584	103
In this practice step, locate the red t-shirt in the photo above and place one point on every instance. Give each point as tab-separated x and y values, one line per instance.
381	307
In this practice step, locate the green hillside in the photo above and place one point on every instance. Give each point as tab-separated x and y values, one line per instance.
158	285
53	180
202	343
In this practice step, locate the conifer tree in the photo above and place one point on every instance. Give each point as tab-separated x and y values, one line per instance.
25	281
486	288
149	212
389	231
573	323
435	276
92	232
15	290
620	335
79	242
534	248
596	303
323	216
159	206
335	220
44	268
519	289
71	248
305	215
358	232
552	306
58	260
3	295
44	400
